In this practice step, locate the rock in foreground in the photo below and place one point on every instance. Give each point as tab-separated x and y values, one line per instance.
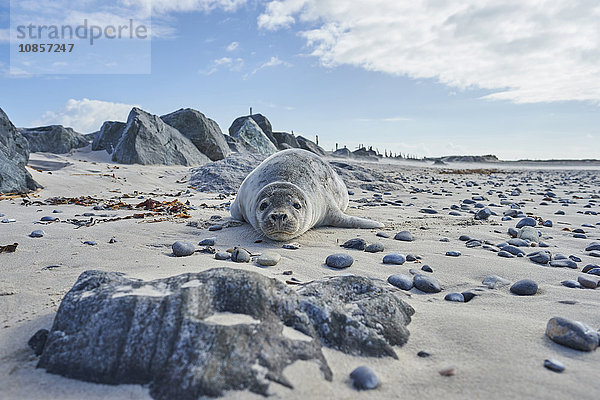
113	329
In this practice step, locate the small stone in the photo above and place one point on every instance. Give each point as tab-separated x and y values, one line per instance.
394	258
356	243
268	259
183	249
37	233
38	341
448	371
213	228
573	334
453	253
513	232
468	296
411	257
483	214
423	354
548	223
571	284
540	257
292	246
54	211
383	234
427	284
594	271
554	365
456	297
404	236
589	267
426	268
401	281
559	212
364	378
8	220
428	211
374	248
339	261
574	258
518	242
464	238
524	287
473	243
112	240
588	282
208	242
593	246
527	221
505	254
222	255
445	240
594	253
287	272
90	242
563	263
48	219
529	233
494	281
240	255
580	236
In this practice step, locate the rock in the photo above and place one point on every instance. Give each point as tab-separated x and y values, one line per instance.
588	282
263	123
427	268
376	247
483	214
356	243
53	139
291	246
554	365
38	341
342	153
224	176
404	236
574	258
364	378
473	243
240	255
164	334
513	250
594	271
309	145
527	221
573	334
284	138
383	235
339	261
518	242
593	246
48	218
203	132
571	284
563	263
468	296
524	287
453	253
494	281
268	259
216	227
14	155
109	136
423	354
464	238
428	211
456	297
37	233
580	236
513	232
394	258
401	281
548	223
148	140
529	233
589	267
540	257
427	284
505	254
222	255
90	242
183	249
412	257
252	137
208	242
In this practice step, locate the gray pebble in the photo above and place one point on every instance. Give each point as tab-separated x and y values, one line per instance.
401	281
527	221
37	233
222	255
427	284
571	284
208	242
374	248
505	254
268	259
48	218
464	238
453	253
554	365
563	263
593	246
457	297
364	378
483	214
183	249
426	268
513	232
573	334
394	258
594	271
383	234
215	228
404	236
90	242
240	255
540	257
339	260
494	281
291	246
356	243
411	257
588	282
524	287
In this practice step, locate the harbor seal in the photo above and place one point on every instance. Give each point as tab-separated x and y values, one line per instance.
291	192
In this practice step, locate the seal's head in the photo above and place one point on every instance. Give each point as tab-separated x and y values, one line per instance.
282	211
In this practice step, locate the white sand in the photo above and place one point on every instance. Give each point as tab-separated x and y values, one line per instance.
496	342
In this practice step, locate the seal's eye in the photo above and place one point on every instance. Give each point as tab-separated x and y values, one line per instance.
297	206
263	206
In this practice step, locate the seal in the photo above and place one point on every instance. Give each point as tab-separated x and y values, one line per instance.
291	192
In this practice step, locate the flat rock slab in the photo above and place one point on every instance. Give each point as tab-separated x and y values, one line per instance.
114	329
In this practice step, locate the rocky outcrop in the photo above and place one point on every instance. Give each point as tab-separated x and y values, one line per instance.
253	139
261	120
343	153
170	333
365	154
146	140
14	155
224	176
309	145
202	131
53	139
109	136
285	138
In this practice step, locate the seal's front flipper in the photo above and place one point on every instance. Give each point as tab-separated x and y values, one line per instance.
337	218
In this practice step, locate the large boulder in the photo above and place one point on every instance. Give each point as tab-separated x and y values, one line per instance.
252	137
14	155
203	132
261	120
309	145
109	136
53	139
201	334
286	140
224	176
148	140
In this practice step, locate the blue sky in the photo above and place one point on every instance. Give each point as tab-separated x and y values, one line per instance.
515	79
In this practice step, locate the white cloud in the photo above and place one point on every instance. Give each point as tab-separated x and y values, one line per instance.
274	61
232	46
228	63
525	51
85	115
162	6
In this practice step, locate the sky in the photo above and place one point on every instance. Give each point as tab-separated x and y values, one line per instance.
518	79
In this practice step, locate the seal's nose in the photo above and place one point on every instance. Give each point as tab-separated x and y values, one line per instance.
278	217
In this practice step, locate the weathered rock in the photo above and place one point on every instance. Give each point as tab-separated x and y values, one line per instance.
202	131
261	121
404	236
356	243
554	365
183	249
284	138
364	378
224	176
573	334
342	153
38	341
53	139
339	260
117	330
148	140
109	136
427	284
528	233
252	137
401	281
268	259
14	155
309	145
524	287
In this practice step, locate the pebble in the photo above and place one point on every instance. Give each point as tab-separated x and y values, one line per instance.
594	271
529	233
473	243
518	242
404	236
456	297
593	246
594	253
383	234
428	211
8	220
527	221
112	240
57	211
573	334
240	255
588	282
356	243
554	365
540	257
394	258
494	281
291	246
453	253
401	281
483	214
213	228
426	268
364	378
464	238
524	287
513	250
505	254
448	371
339	260
574	258
48	218
580	236
90	242
423	354
183	249
589	267
548	223
560	212
468	296
208	242
37	233
563	263
412	257
222	255
513	232
374	248
571	284
268	259
38	341
427	284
